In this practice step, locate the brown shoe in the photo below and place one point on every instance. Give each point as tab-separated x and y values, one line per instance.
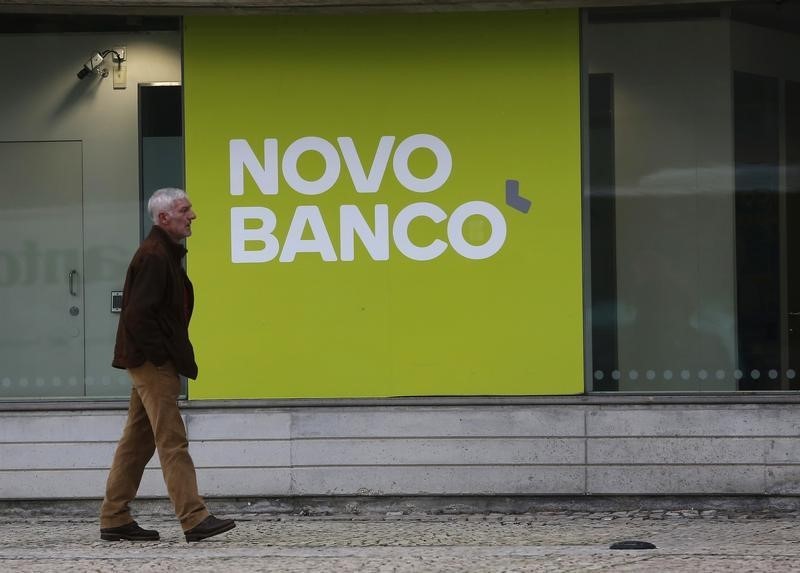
209	527
128	532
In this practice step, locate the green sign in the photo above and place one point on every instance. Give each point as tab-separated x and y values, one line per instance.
388	205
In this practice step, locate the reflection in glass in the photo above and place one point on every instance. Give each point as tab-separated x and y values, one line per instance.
41	270
691	201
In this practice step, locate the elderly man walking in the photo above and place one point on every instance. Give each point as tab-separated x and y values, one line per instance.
153	346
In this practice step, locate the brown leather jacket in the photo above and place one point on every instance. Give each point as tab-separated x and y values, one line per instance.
157	303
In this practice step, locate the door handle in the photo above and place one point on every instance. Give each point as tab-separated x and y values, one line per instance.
72	274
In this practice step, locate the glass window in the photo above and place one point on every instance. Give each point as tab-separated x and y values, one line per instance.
69	196
692	178
160	142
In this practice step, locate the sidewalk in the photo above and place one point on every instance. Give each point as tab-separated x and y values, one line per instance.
686	540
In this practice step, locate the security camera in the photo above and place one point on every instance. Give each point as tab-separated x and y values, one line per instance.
90	65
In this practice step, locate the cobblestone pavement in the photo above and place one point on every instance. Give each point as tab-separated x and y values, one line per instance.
685	540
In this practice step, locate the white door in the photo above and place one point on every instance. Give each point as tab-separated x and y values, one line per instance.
41	269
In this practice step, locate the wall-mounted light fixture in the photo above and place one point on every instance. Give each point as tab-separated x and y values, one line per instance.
95	63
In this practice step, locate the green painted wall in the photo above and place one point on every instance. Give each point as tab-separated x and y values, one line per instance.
441	110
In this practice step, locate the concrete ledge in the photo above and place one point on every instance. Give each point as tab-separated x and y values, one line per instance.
495	449
596	399
407	505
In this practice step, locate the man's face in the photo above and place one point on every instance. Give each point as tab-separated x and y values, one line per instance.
177	222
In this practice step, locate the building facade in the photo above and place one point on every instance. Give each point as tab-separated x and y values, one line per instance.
442	249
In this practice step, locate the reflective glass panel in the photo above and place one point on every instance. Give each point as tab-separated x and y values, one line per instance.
691	181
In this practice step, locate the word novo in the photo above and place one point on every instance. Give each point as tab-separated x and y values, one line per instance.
352	222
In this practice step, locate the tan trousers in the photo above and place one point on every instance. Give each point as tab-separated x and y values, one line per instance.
154	422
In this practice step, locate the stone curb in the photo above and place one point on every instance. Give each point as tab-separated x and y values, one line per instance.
650	507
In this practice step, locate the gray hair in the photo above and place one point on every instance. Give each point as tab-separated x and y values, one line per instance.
162	201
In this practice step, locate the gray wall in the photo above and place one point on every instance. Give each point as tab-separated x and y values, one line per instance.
571	449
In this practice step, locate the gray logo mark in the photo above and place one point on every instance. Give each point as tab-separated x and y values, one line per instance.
513	198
